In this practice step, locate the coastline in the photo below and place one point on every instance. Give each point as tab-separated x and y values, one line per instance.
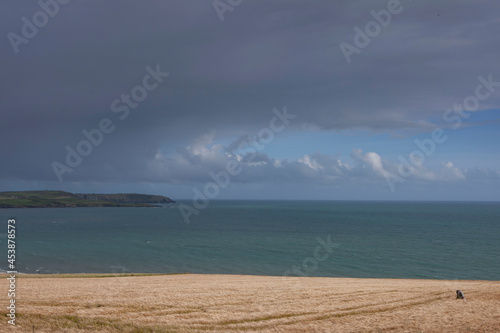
231	303
62	199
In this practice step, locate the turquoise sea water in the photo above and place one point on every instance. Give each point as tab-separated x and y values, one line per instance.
374	239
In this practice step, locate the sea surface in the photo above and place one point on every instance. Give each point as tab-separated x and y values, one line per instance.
459	240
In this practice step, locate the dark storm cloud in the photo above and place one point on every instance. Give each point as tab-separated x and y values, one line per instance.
225	77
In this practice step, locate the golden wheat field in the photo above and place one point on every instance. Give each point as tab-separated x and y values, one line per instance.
234	303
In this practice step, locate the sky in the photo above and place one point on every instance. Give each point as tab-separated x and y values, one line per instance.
240	99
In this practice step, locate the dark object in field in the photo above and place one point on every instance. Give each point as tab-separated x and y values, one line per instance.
460	295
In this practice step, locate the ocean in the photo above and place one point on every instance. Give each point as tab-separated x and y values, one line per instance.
429	240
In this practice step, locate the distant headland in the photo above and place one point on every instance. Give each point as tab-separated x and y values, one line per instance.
58	199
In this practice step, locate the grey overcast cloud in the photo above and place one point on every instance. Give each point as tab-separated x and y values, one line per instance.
304	99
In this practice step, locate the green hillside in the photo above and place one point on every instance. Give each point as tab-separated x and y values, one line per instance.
53	199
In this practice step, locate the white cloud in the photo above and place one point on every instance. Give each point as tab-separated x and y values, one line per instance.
193	163
451	172
311	163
